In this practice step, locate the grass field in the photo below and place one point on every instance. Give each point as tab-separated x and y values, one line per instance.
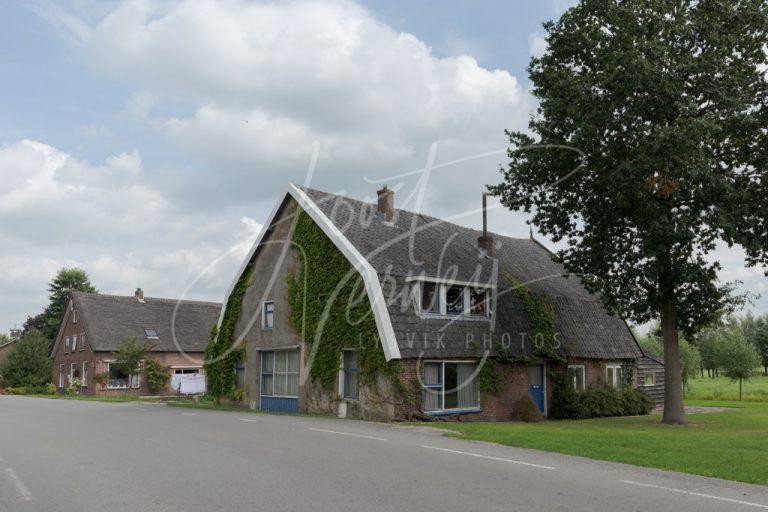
722	388
732	444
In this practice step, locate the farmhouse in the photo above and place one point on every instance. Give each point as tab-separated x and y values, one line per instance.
362	310
94	325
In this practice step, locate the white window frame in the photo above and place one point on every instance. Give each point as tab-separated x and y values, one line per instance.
442	409
66	345
264	324
615	382
442	297
274	374
72	367
74	344
61	375
645	378
74	315
82	341
583	375
86	368
130	385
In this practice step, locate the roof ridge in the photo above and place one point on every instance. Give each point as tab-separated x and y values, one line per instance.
154	299
426	216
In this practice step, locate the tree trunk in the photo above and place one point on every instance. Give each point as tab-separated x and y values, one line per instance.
674	411
740	381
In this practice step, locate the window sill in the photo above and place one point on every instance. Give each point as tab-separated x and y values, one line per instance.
437	316
450	412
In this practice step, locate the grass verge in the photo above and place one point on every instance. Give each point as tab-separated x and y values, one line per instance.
731	445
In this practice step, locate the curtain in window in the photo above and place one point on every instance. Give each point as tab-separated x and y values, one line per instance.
468	393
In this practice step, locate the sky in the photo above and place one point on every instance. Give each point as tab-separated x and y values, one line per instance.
146	141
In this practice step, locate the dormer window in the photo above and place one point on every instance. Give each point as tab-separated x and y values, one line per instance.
151	333
452	299
478	302
430	298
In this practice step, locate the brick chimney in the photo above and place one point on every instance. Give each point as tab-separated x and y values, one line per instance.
386	206
485	241
139	295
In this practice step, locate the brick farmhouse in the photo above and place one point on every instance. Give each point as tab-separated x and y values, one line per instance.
94	325
443	306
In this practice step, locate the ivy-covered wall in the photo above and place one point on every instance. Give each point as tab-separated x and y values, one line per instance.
330	307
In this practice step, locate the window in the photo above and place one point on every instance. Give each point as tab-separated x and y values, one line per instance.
268	315
577	377
61	375
74	344
648	379
478	302
280	373
74	373
151	333
82	341
117	378
186	371
74	316
614	375
350	371
454	300
85	374
450	386
66	345
430	298
240	374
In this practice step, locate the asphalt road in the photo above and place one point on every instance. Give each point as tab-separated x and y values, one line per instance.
63	455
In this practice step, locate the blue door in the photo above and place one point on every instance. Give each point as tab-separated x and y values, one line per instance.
537	385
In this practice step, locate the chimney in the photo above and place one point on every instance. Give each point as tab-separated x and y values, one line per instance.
485	242
386	206
139	295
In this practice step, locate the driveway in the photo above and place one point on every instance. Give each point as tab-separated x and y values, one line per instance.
64	455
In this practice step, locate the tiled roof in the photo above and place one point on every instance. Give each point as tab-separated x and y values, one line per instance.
420	245
110	319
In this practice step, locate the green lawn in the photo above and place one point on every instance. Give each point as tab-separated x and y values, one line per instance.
722	388
731	444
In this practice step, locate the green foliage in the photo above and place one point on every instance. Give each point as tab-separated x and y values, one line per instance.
67	280
740	358
756	331
330	307
601	401
50	388
4	339
27	363
157	375
130	354
648	147
690	358
541	318
526	410
221	354
102	379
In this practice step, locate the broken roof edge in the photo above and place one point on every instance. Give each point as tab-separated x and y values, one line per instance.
358	261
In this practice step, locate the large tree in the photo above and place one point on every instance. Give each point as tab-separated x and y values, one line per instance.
649	147
27	363
67	280
756	331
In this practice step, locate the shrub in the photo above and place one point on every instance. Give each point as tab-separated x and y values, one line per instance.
157	375
15	391
526	410
598	402
50	388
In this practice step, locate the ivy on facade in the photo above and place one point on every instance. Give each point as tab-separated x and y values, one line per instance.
330	308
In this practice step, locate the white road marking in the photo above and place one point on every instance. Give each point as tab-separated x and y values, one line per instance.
698	494
540	466
23	491
347	434
141	409
188	413
247	419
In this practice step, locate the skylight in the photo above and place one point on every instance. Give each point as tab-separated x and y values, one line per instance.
151	333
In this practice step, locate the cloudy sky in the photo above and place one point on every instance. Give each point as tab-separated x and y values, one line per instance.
146	141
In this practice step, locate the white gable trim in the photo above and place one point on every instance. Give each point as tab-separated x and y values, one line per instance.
369	275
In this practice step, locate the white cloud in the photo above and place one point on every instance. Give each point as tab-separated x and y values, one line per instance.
109	219
264	81
537	44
